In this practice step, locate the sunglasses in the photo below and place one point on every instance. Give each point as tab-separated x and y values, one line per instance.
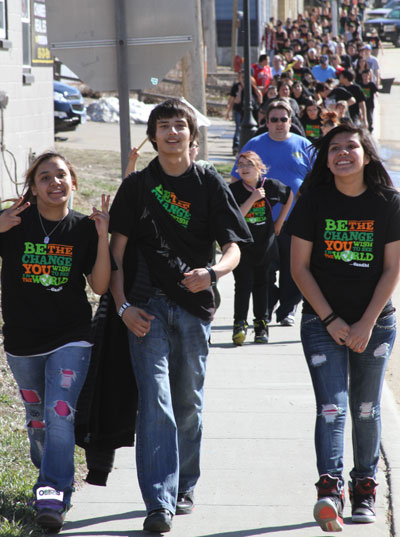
245	165
276	119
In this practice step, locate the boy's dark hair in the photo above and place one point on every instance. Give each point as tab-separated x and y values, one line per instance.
168	109
262	58
347	74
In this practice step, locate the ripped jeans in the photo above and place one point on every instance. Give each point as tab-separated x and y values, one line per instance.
337	373
49	385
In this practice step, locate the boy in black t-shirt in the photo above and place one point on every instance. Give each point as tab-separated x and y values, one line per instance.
164	221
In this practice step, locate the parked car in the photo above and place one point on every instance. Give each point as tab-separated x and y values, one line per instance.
382	11
69	107
388	27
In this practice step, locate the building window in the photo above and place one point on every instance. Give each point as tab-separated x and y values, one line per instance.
26	32
3	28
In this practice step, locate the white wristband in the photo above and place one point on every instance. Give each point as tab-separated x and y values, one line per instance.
124	306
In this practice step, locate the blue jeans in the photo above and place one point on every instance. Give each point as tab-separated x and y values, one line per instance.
337	374
49	386
169	365
237	117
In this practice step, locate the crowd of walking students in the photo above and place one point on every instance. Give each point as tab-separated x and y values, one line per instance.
317	73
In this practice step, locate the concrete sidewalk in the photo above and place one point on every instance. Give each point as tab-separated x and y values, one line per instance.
258	462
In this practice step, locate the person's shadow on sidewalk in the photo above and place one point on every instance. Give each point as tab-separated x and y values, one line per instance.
140	514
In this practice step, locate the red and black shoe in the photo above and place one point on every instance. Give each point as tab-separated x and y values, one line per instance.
362	497
328	511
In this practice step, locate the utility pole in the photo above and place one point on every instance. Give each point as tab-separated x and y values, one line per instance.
210	33
235	27
123	86
248	125
193	82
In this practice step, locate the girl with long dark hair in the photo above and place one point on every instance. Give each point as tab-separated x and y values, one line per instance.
345	259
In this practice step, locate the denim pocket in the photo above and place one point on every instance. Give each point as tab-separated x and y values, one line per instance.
386	323
142	303
308	318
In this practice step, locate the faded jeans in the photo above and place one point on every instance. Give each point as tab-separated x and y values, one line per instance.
49	385
339	374
169	365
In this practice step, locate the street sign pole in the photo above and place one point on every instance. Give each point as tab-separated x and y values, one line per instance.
123	87
248	125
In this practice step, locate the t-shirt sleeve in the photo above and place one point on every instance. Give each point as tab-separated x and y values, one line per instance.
301	221
124	207
91	252
276	191
393	228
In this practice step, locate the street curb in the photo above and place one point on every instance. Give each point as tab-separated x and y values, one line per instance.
390	444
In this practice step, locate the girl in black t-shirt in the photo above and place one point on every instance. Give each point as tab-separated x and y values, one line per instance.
311	120
345	259
255	195
46	250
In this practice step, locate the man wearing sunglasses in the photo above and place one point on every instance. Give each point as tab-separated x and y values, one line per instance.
287	159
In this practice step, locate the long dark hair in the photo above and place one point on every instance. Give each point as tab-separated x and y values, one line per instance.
375	176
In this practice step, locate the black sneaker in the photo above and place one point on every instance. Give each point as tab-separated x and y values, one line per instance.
50	515
261	333
50	508
328	511
184	503
239	332
362	497
158	521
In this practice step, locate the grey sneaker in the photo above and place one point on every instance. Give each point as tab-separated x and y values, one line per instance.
328	511
239	332
261	333
362	497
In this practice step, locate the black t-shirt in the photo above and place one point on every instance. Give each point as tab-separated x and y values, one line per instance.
200	202
358	94
369	91
349	235
259	218
43	286
312	127
234	92
235	89
298	74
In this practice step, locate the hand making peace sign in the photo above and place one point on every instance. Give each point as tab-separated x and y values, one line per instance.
10	217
